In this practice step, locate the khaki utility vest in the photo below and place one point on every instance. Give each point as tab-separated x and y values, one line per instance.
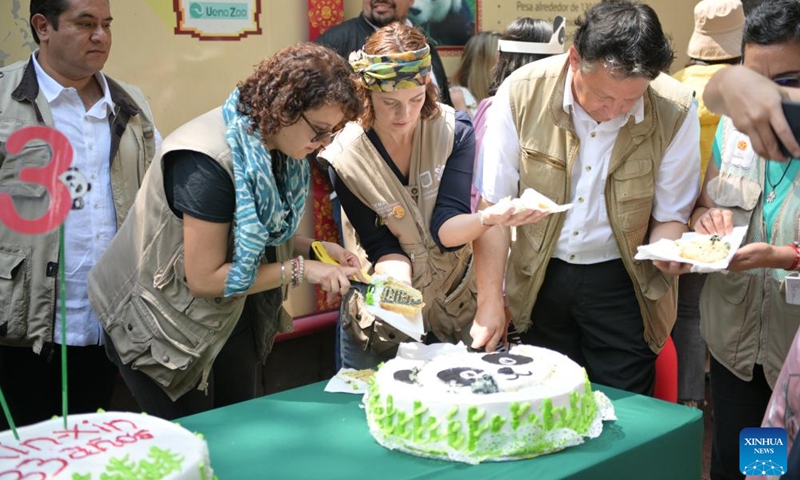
548	149
744	316
29	264
446	279
138	288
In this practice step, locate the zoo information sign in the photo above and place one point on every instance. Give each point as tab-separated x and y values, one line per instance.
497	14
218	20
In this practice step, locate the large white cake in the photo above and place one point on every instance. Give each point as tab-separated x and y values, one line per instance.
473	407
108	445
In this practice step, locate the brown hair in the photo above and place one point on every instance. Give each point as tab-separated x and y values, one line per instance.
297	78
477	62
397	38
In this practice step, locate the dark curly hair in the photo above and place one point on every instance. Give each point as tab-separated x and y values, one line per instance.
397	38
297	78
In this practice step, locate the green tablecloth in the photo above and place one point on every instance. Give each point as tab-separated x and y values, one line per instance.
306	433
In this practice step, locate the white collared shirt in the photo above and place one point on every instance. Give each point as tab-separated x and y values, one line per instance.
88	230
586	236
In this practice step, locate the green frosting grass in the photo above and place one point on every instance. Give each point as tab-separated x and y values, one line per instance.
370	297
161	463
421	431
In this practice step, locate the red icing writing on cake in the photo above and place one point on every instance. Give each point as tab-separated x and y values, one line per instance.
46	456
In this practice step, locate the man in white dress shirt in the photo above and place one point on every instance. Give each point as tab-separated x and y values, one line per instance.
110	128
603	128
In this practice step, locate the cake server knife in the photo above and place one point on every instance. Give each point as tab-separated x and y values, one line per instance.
414	327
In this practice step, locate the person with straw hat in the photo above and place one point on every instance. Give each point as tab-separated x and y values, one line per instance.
716	43
746	316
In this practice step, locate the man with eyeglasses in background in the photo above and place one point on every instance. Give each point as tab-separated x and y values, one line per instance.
745	318
760	116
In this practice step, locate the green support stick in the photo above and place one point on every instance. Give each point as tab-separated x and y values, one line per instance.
62	296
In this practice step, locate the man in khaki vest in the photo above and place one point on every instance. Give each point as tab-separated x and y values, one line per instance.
110	128
747	315
604	129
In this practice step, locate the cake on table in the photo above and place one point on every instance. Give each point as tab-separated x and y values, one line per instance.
107	446
474	406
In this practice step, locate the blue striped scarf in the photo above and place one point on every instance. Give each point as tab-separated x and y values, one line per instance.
268	209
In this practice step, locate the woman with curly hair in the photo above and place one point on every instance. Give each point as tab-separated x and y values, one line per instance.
190	290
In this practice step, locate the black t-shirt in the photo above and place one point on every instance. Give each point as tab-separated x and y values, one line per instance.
196	184
453	198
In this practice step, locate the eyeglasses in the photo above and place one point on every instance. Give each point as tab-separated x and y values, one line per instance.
791	81
320	135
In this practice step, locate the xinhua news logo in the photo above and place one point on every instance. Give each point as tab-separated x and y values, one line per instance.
762	451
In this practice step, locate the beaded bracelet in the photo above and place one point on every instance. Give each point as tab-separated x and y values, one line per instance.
302	275
796	261
295	266
283	273
298	270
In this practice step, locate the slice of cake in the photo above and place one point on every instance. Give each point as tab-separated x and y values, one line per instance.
108	445
529	200
474	407
704	248
395	296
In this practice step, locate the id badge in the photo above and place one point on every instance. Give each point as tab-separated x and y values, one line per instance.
739	151
793	288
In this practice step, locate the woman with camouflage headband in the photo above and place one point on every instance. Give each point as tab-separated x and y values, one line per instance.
403	174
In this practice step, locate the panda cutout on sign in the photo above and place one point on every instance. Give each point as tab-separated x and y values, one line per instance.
78	186
445	22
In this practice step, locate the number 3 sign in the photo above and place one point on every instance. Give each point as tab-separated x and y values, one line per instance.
46	176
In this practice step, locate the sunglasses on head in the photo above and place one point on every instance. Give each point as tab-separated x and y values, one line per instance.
320	135
790	81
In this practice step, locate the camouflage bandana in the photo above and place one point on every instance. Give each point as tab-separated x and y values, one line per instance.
394	71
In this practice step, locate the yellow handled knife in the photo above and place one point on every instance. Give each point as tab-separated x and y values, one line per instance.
325	257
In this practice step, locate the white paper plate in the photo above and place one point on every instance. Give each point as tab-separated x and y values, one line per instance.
529	200
343	383
413	327
669	250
